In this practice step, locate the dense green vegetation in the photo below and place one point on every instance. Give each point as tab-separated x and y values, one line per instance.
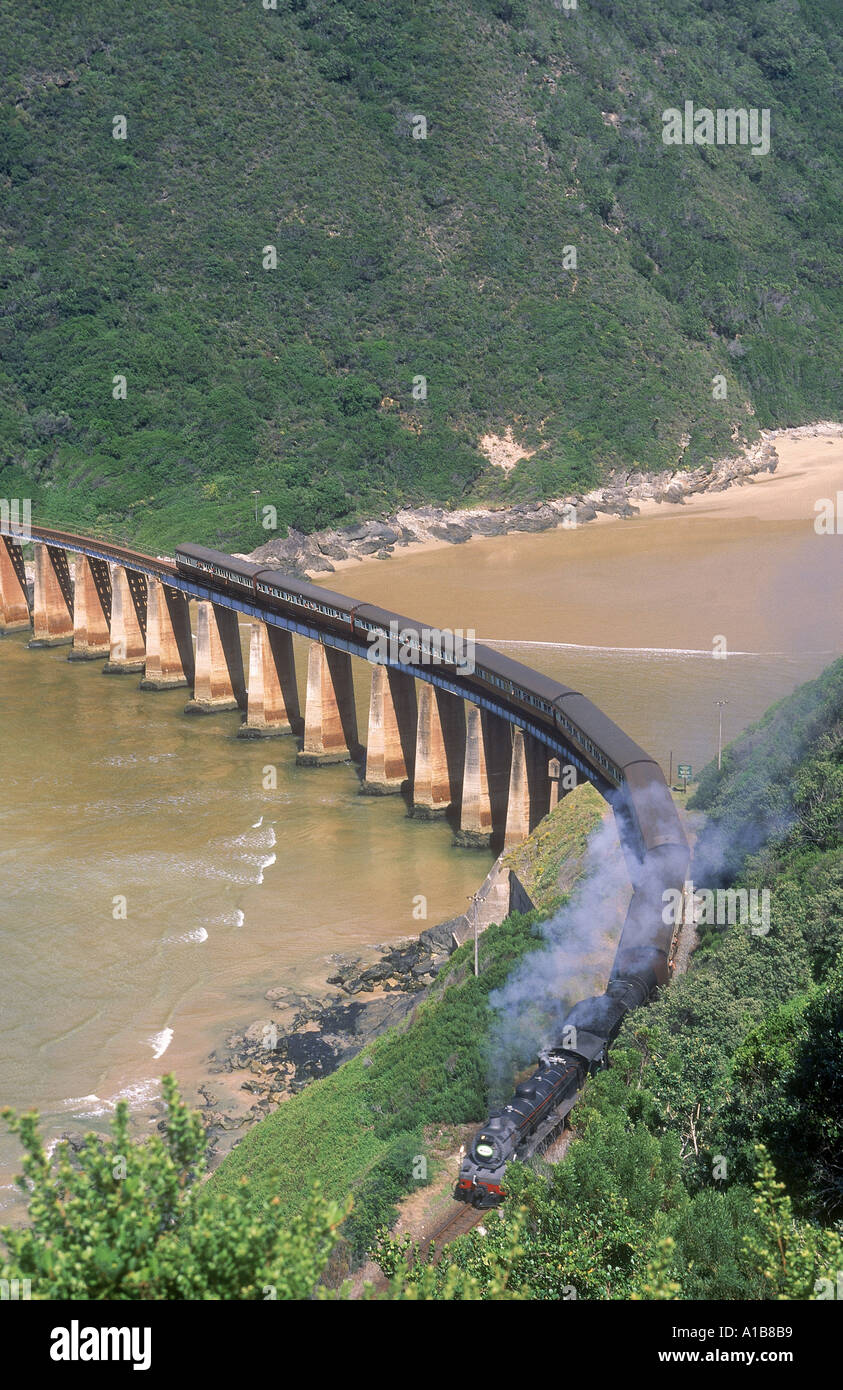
397	257
780	782
134	1221
737	1245
777	1023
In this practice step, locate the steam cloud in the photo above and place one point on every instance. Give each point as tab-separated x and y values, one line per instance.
574	962
580	941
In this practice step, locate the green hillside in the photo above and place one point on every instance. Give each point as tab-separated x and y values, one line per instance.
400	257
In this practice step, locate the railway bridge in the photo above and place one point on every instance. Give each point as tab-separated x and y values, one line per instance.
453	749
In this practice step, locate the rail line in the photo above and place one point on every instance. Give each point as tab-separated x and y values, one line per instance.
464	1220
459	1223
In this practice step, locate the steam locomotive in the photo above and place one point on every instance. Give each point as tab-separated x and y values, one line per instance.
541	1103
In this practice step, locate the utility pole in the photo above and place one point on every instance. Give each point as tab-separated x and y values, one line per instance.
256	495
472	898
720	704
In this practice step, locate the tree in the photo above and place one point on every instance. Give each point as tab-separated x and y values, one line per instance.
796	1259
136	1221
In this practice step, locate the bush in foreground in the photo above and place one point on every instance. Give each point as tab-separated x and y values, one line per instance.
135	1221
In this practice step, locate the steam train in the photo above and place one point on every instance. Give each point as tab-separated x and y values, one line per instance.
541	1103
640	968
651	835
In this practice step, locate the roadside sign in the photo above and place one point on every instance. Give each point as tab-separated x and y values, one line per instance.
684	770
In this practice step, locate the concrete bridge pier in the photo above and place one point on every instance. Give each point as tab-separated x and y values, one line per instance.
390	748
440	753
538	779
14	604
53	608
518	804
475	831
330	717
220	683
498	766
529	788
554	772
562	779
91	610
127	636
169	641
273	705
558	784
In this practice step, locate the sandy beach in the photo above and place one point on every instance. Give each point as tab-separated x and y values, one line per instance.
809	469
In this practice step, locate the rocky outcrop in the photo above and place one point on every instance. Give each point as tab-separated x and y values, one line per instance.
303	1037
317	554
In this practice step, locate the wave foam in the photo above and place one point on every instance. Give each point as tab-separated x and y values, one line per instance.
633	651
159	1042
138	1094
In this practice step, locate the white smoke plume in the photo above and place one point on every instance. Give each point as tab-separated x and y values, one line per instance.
572	963
580	941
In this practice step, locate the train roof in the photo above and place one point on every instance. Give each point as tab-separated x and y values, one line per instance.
217	557
385	616
500	665
269	575
616	745
610	739
486	657
653	806
280	580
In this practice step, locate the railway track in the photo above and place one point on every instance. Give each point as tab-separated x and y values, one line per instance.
459	1224
130	558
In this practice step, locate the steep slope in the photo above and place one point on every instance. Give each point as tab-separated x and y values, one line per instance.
398	257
